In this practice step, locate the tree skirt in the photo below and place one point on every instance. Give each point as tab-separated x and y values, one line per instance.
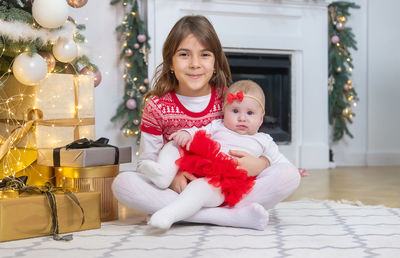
306	228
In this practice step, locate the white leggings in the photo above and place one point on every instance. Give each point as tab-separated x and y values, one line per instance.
271	186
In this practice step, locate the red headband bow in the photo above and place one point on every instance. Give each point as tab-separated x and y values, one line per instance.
231	97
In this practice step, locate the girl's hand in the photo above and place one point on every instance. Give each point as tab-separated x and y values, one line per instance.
181	138
254	166
181	180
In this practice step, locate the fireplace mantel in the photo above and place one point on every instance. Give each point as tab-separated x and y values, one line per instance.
298	28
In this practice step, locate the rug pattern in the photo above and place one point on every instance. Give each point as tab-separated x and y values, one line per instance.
305	228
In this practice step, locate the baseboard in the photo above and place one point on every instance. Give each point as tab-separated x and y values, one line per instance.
383	158
344	159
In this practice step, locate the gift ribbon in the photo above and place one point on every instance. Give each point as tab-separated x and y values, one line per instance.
84	143
48	189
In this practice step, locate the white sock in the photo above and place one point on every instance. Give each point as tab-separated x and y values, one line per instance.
156	173
198	193
252	216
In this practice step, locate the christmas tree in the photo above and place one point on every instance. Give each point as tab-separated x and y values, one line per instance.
134	52
38	42
41	36
342	95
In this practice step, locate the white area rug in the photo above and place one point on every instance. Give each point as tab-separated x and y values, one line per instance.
305	228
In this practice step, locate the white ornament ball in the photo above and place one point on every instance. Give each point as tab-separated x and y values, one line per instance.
65	50
50	13
29	70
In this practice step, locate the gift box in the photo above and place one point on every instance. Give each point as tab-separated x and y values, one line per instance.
22	162
85	157
29	215
61	106
97	179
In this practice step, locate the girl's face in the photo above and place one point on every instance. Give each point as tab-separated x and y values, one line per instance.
193	66
243	117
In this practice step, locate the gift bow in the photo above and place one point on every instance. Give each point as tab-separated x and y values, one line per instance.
18	183
231	97
83	144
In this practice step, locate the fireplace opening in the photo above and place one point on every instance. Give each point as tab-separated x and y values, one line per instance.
272	72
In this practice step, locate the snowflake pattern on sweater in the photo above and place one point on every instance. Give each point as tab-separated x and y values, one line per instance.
166	115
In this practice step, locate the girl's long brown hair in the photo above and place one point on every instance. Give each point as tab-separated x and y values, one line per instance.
202	29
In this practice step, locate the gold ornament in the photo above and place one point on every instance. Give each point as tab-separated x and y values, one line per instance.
128	52
142	89
331	82
342	19
127	132
77	3
339	26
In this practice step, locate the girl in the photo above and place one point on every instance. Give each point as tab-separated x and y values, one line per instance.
188	91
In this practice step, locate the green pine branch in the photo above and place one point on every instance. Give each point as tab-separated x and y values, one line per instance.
136	68
342	94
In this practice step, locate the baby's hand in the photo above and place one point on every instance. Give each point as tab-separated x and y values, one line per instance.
181	138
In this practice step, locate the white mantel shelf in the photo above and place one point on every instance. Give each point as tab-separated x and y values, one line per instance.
295	27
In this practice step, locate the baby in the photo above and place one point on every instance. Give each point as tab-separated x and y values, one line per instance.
219	180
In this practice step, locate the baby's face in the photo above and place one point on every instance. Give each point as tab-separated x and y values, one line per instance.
243	117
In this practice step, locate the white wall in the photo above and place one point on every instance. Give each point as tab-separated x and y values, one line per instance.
377	63
383	82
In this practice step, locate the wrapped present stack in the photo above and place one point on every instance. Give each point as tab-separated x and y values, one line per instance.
87	165
54	210
56	111
46	101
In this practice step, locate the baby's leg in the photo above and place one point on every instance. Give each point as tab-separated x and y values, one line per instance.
162	171
198	194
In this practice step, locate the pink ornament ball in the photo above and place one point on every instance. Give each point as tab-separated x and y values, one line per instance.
136	45
96	74
146	81
141	38
131	104
346	87
335	39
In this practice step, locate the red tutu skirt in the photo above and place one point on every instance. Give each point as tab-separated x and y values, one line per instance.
204	160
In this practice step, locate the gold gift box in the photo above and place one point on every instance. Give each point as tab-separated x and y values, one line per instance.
22	162
63	103
29	215
98	179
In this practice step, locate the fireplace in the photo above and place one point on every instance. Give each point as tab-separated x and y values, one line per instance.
272	73
291	35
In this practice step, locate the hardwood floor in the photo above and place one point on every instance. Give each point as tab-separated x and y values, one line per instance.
370	185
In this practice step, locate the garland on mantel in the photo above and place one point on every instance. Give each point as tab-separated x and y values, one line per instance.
342	95
134	53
